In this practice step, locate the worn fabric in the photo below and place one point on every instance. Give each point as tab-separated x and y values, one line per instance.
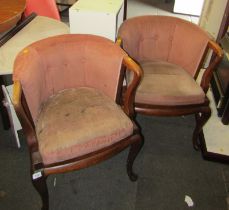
75	122
167	84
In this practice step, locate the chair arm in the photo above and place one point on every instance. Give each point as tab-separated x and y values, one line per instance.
27	125
119	41
130	92
216	58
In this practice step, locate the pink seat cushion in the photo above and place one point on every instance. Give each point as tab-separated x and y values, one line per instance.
79	121
168	84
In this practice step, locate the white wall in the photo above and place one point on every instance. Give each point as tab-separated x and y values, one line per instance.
192	7
212	15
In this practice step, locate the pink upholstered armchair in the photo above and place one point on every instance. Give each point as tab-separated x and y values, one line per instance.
171	52
66	95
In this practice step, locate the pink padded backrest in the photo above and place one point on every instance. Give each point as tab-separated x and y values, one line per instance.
164	38
67	61
46	8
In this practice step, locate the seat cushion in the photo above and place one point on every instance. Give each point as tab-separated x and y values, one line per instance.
167	84
79	121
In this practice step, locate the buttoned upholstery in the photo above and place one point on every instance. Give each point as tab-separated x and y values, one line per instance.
165	38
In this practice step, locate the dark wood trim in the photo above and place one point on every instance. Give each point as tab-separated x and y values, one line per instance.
89	159
225	117
125	10
3	110
63	4
215	60
129	95
160	110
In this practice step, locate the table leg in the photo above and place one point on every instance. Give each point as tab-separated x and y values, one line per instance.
3	110
125	10
225	117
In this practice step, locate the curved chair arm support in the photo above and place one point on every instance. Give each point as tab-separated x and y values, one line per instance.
24	120
217	56
129	96
119	41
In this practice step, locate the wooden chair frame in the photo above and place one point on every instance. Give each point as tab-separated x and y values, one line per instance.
202	111
40	171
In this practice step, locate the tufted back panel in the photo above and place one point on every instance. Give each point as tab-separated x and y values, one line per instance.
46	8
164	38
67	61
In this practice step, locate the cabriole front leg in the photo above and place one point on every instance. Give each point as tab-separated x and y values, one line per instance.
134	150
39	182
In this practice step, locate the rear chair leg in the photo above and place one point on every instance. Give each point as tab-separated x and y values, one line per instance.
201	119
133	152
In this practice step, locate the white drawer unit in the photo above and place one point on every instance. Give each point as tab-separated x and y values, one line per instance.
191	7
98	17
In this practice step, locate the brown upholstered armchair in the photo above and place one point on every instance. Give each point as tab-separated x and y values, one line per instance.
66	95
171	52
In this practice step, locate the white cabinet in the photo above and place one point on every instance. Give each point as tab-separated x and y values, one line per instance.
98	17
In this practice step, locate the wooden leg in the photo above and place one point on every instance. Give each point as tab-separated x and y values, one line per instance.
125	10
201	119
134	150
39	182
225	117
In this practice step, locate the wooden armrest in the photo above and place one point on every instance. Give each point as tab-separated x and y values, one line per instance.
216	58
119	41
216	48
27	125
129	98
